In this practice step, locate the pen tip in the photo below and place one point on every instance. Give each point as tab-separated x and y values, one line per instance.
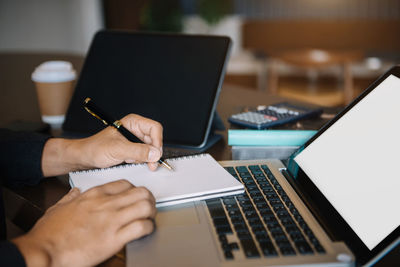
169	167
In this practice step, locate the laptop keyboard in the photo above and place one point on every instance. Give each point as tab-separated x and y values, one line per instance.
264	219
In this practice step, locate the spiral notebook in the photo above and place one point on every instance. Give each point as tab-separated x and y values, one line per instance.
195	177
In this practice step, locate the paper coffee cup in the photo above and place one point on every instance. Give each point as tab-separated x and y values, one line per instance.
54	82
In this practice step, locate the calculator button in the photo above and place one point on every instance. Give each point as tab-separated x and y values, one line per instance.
254	117
271	118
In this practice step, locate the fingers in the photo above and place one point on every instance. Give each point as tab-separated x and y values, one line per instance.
133	208
134	152
136	219
149	131
112	188
132	196
142	209
152	166
135	230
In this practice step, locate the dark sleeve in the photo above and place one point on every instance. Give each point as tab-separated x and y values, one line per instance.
20	157
10	255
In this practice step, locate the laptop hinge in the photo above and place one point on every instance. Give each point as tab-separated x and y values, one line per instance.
310	205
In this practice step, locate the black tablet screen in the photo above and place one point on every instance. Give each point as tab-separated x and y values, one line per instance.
173	79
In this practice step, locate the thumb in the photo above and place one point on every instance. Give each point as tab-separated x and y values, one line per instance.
134	152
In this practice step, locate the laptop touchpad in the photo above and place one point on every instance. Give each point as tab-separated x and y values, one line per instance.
183	214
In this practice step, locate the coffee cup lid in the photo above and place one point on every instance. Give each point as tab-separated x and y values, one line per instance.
54	71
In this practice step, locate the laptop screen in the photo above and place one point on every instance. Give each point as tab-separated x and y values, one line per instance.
174	79
352	162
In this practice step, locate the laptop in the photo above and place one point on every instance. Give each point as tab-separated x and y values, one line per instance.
334	203
174	79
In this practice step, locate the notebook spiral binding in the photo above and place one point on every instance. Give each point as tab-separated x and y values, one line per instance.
188	157
126	165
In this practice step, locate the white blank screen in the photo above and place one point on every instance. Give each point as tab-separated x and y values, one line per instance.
355	163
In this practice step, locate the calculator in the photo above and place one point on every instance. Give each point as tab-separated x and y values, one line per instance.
267	116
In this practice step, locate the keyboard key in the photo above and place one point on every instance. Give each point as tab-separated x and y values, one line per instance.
223	238
261	179
263	237
278	208
234	246
244	236
271	195
247	178
234	213
241	169
255	168
283	214
237	220
258	174
293	229
250	184
259	200
245	203
280	237
258	229
221	221
225	246
274	228
251	214
228	255
262	207
275	202
241	228
224	229
243	197
303	247
266	189
232	207
229	200
254	221
249	248
216	210
268	218
287	251
256	194
252	188
268	249
297	237
248	208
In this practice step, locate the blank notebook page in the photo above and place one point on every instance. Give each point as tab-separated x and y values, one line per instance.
194	178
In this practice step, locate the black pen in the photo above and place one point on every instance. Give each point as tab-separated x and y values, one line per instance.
94	110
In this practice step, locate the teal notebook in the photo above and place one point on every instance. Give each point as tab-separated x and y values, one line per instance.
269	137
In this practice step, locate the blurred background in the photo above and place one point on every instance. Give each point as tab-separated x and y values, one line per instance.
324	52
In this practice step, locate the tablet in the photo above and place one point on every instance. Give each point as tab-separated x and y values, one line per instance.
174	79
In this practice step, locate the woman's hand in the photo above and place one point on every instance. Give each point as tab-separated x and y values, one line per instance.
106	148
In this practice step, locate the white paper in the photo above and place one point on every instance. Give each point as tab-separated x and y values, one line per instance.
194	177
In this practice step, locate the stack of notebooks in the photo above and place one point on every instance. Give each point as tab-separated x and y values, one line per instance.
263	144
